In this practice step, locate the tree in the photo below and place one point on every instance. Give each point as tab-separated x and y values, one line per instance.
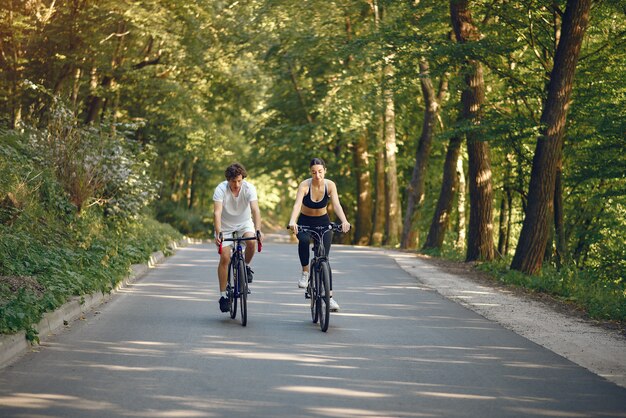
480	244
449	186
533	238
415	190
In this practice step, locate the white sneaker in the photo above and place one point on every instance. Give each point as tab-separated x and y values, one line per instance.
304	280
334	306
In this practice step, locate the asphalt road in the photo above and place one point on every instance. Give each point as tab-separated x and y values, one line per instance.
161	348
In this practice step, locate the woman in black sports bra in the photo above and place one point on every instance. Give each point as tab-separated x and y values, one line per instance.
310	209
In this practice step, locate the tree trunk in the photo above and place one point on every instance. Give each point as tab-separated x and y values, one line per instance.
415	192
394	213
364	191
480	244
96	102
441	218
378	234
460	225
503	225
559	229
533	238
12	52
191	184
298	91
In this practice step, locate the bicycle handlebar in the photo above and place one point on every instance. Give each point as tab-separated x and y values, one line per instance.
317	229
238	239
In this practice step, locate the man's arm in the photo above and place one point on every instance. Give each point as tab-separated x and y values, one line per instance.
256	215
217	220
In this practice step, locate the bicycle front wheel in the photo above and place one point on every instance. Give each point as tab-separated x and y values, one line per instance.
313	292
324	295
231	288
242	276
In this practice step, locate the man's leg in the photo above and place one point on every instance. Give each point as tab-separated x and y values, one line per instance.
222	268
250	249
222	275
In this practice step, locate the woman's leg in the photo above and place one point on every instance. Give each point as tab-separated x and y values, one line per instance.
303	249
328	239
303	253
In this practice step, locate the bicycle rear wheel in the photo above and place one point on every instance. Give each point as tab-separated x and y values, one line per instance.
242	276
324	295
313	292
231	288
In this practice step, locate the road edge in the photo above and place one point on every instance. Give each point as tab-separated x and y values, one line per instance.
14	346
598	350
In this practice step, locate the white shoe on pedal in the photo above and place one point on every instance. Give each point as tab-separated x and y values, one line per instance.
304	280
334	306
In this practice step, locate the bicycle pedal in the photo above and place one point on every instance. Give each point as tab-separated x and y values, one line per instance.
307	295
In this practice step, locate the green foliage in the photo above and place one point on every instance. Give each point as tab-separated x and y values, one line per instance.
192	223
600	299
49	251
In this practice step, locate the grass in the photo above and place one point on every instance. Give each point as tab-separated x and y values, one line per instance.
41	271
599	292
600	299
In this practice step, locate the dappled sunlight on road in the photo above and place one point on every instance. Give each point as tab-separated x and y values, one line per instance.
118	368
46	400
456	395
544	412
320	390
353	412
395	349
298	358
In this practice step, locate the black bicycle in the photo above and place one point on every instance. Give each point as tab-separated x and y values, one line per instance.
237	285
320	274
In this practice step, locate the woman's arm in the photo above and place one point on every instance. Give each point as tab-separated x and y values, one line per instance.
297	206
334	197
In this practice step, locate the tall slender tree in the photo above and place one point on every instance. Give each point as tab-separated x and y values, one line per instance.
449	185
394	208
415	189
533	238
480	245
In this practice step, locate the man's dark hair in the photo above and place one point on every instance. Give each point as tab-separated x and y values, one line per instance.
317	161
234	170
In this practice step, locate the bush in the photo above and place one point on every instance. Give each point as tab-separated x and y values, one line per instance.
54	242
600	299
189	222
95	166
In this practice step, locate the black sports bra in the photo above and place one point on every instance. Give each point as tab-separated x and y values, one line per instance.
321	204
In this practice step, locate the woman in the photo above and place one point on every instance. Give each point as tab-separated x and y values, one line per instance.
310	209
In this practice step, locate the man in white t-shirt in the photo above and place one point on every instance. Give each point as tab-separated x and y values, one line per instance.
235	209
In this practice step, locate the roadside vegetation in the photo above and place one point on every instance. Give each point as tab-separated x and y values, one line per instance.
69	229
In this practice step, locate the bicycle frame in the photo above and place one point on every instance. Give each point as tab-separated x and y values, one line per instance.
238	288
320	275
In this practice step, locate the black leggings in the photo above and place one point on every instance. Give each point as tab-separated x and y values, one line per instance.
304	238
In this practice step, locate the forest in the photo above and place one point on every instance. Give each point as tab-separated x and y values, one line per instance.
488	132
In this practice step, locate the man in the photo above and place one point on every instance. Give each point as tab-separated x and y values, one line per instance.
236	209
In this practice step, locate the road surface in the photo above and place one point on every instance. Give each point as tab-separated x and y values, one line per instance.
162	348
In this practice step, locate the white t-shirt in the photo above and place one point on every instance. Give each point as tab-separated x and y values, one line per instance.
235	210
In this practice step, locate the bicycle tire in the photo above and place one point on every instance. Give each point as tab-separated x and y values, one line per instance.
242	276
232	290
324	295
313	292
